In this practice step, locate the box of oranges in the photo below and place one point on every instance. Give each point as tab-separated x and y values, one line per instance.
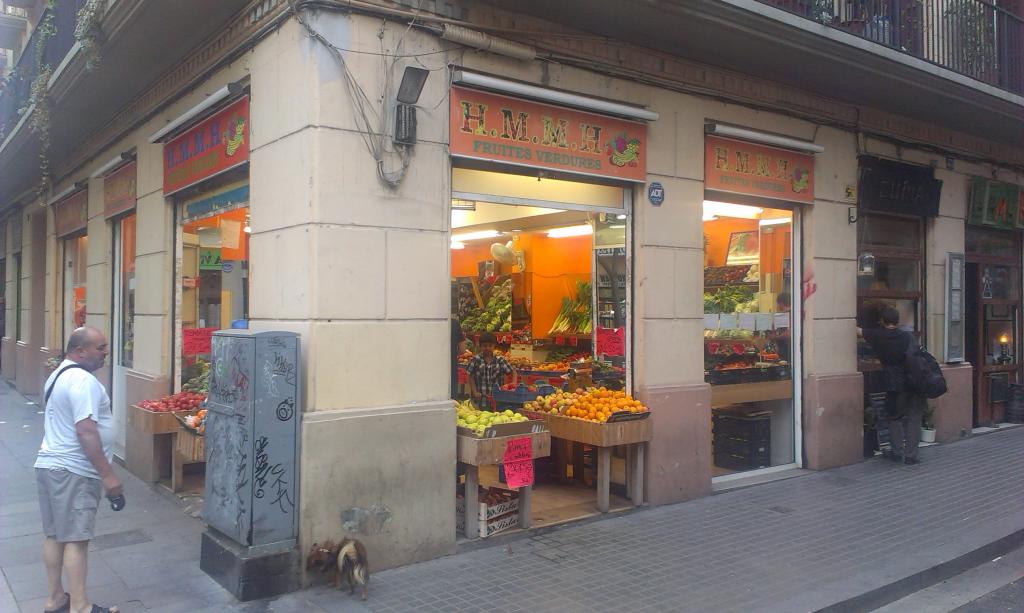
594	416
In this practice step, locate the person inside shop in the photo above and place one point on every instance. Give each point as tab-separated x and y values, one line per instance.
881	281
487	370
783	338
905	407
458	346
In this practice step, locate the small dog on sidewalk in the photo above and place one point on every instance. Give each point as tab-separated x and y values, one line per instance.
346	561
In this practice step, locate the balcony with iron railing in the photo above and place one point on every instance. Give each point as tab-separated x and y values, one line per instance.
46	47
976	38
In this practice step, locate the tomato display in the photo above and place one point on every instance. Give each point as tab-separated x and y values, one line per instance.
182	401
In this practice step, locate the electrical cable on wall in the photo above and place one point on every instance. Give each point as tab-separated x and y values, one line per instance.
371	125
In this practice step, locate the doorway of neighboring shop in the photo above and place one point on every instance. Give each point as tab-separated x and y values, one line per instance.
74	305
890	273
752	336
123	321
993	319
544	266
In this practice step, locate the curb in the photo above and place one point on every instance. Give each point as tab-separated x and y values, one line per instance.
889	593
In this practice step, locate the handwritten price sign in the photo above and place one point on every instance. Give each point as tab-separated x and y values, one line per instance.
195	341
518	462
611	341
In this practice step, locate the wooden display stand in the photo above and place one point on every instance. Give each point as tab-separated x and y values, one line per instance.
189	448
476	452
635	434
149	447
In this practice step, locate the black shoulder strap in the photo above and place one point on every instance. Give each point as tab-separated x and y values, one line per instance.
46	397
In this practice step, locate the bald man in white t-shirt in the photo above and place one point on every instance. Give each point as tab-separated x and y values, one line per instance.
73	467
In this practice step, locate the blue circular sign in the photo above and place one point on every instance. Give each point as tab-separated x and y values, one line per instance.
656	193
227	267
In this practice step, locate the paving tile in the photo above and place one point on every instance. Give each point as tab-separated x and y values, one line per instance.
114	540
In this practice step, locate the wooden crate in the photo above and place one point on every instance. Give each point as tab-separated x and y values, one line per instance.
499	430
488	451
599	434
191	446
152	422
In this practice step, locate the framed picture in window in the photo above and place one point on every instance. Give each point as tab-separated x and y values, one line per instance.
743	248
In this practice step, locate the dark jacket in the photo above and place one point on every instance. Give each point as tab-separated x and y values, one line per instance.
891	348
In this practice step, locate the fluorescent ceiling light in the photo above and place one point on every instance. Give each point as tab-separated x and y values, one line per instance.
463	205
620	217
474	236
552	96
458	245
778	221
566	232
728	209
764	138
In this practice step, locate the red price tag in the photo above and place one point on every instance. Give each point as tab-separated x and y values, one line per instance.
518	463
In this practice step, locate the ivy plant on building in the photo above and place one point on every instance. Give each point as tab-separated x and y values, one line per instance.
88	32
39	97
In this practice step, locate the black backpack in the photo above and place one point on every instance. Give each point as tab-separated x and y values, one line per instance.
923	372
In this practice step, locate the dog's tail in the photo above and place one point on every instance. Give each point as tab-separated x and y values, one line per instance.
355	553
349	551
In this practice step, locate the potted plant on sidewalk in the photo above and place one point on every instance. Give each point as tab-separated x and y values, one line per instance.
928	424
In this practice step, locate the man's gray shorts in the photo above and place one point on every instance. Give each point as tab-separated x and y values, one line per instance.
67	504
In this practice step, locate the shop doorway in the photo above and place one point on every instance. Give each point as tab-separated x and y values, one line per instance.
544	266
751	336
212	289
992	313
123	320
214	286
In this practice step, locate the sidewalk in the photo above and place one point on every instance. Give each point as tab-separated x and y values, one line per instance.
874	531
146	557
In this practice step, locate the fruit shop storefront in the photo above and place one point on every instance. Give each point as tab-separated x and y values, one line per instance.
541	273
206	182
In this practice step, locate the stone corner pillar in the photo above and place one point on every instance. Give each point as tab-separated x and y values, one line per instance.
679	455
833	420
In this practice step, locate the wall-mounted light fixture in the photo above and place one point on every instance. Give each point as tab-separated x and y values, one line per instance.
122	158
231	89
74	187
405	110
551	96
765	138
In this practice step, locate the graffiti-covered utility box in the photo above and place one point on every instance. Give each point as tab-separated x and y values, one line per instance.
252	429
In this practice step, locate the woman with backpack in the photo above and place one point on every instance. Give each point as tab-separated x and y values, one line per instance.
904	404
